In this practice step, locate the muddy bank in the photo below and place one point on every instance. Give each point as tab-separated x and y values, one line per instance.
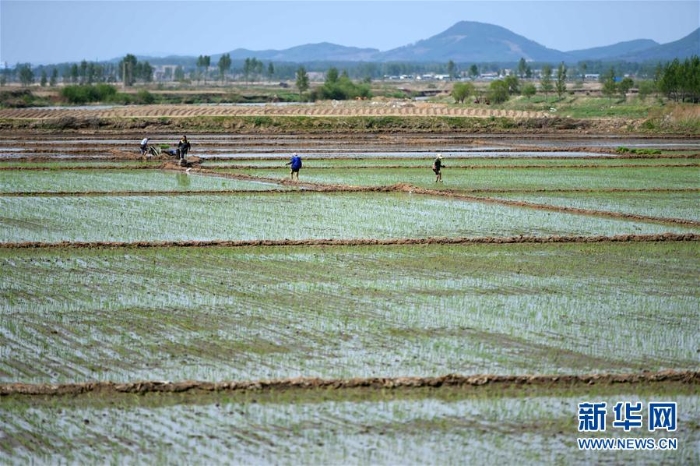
371	383
666	237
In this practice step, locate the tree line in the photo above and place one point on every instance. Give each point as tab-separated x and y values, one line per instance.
252	69
677	80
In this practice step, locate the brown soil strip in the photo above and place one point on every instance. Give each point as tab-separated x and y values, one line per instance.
139	193
579	211
336	189
665	237
463	167
98	156
371	383
455	195
80	167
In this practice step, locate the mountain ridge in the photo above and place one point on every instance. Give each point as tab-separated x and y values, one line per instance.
475	42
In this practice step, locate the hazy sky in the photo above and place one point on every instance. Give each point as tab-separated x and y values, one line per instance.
53	31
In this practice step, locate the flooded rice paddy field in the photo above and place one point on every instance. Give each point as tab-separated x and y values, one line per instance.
213	146
534	256
419	427
250	313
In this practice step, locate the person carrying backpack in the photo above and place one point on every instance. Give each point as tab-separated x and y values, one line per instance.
295	164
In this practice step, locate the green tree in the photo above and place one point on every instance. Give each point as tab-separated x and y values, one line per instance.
224	65
82	72
179	74
522	68
498	92
624	86
54	78
680	81
451	68
332	75
461	91
561	79
609	84
528	90
44	78
646	88
250	68
127	68
302	81
546	85
341	87
144	97
26	75
74	73
270	71
513	84
144	71
473	72
203	62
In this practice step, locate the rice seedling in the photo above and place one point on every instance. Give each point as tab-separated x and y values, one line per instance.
387	429
248	313
252	313
680	205
294	215
119	180
509	179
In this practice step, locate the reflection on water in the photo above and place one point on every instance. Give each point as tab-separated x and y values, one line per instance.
183	180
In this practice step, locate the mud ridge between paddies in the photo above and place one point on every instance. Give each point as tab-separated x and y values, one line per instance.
120	156
377	383
226	192
472	167
665	237
234	166
459	195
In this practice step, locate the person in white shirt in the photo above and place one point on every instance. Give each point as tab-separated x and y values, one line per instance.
144	146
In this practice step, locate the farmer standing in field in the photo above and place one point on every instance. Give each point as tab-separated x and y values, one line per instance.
144	146
437	167
295	164
183	147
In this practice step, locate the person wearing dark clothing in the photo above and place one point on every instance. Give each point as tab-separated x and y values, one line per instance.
437	167
183	147
144	146
295	165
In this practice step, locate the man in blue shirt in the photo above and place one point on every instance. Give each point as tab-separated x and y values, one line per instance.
295	163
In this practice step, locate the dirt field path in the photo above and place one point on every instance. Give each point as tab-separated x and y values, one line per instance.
304	383
340	109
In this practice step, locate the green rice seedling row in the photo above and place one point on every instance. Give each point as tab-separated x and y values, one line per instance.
293	215
388	428
679	205
120	180
340	312
122	307
507	179
425	161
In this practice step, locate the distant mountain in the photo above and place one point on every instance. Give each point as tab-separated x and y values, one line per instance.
467	42
472	42
612	51
310	52
681	49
